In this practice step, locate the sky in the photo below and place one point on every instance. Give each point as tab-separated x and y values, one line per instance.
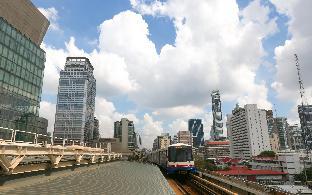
156	62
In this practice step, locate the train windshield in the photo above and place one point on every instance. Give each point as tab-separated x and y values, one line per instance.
180	154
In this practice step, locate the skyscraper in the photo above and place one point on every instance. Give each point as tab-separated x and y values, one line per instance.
195	126
74	118
22	28
305	115
124	130
217	126
248	131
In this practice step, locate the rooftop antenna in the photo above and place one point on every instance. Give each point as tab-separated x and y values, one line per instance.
275	110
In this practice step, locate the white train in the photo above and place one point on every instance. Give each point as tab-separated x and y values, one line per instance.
176	159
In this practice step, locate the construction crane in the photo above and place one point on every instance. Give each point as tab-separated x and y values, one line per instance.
301	87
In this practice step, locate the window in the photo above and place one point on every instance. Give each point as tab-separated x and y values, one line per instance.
1	74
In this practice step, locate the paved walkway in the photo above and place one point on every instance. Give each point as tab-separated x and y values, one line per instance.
125	178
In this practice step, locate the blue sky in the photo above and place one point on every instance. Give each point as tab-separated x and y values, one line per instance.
81	21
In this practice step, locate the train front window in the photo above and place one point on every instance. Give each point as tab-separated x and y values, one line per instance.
180	154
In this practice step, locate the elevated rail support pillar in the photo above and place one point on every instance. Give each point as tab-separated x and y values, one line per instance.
9	165
55	159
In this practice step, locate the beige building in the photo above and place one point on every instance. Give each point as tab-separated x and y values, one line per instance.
25	17
274	142
217	149
125	132
162	142
185	137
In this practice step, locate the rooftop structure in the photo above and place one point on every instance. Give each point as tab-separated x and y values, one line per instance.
26	18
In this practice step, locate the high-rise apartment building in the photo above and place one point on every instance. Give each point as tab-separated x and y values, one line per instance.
125	132
74	118
282	128
294	137
305	115
22	28
248	131
162	141
195	126
184	137
217	125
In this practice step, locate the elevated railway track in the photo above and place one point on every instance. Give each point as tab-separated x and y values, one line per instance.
19	157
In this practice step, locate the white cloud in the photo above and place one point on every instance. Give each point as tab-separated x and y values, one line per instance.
151	129
47	110
217	46
52	15
203	59
299	42
178	125
106	112
181	112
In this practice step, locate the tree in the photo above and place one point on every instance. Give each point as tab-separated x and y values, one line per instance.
301	177
267	153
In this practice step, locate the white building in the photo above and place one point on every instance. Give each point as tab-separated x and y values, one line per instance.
162	142
248	131
294	162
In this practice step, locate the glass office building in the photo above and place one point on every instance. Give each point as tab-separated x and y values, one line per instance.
21	73
74	118
195	126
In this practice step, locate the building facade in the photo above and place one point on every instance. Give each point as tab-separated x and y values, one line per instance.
248	131
282	128
175	139
305	115
195	126
184	137
21	64
162	142
295	141
96	130
217	125
217	149
274	142
125	132
74	118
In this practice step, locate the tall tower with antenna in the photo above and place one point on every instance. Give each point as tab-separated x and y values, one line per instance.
304	111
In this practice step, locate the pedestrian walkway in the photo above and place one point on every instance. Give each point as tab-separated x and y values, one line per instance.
121	177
